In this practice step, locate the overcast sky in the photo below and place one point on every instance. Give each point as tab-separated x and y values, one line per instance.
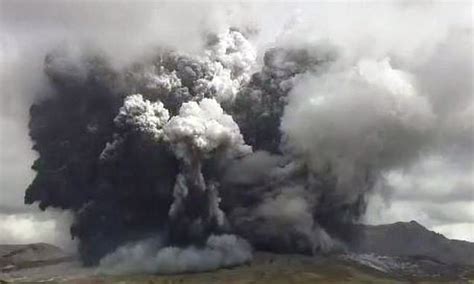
432	41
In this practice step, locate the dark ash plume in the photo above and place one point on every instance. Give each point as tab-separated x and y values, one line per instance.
182	156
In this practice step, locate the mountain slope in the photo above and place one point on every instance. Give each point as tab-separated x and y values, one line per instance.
411	239
14	257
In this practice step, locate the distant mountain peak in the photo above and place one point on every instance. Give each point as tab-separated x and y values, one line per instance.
410	239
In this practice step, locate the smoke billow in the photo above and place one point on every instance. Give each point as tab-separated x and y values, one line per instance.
184	160
149	256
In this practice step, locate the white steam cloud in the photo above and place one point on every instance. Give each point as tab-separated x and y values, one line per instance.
356	122
149	256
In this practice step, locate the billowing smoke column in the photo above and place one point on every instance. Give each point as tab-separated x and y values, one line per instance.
183	163
198	132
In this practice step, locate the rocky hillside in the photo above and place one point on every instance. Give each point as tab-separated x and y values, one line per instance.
411	239
13	257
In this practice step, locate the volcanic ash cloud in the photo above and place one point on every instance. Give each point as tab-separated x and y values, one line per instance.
187	162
